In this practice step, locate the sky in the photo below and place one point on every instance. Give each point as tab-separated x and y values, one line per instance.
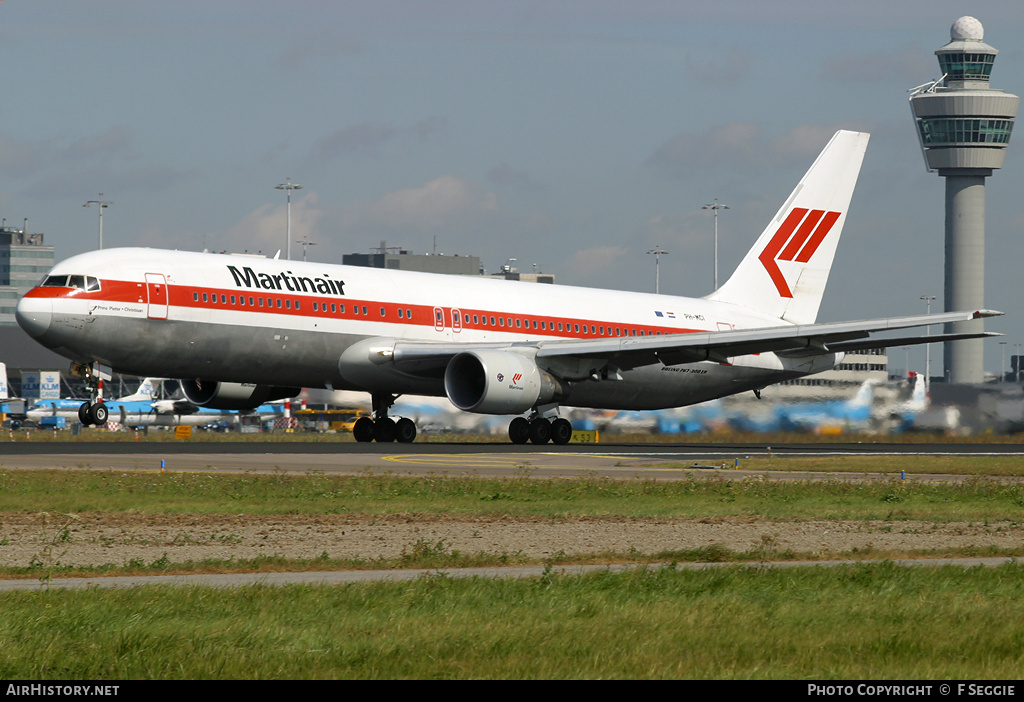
571	135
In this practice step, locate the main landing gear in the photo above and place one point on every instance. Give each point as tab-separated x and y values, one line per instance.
382	428
93	413
540	430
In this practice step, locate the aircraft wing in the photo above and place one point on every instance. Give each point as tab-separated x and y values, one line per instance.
796	340
627	352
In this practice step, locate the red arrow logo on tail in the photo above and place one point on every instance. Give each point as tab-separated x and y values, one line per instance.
796	240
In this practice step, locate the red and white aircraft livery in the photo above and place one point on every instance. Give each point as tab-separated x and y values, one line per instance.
241	331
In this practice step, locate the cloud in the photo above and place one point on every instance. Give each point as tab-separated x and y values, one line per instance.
593	261
683	153
371	137
318	47
728	68
913	66
265	229
739	145
504	175
446	203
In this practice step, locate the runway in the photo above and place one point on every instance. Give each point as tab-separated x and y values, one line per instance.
618	461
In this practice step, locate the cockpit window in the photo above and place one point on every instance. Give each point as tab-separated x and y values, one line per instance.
87	283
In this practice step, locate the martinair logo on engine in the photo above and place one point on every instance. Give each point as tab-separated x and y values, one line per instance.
248	278
514	385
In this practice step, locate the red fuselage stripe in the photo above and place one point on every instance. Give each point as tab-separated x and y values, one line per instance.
295	305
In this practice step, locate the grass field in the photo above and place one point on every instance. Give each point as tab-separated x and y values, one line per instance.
867	621
976	499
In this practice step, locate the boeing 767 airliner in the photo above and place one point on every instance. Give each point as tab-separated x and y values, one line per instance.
240	331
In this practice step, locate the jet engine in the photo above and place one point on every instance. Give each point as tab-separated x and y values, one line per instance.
233	396
498	382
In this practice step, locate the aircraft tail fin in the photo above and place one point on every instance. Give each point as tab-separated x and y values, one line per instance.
865	394
149	389
785	272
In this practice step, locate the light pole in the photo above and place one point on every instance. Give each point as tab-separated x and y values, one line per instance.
306	243
102	204
288	186
1002	365
657	251
715	208
928	348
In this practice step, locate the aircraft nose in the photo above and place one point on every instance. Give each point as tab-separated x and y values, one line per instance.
33	315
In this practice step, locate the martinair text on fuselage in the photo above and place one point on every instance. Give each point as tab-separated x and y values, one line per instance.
248	278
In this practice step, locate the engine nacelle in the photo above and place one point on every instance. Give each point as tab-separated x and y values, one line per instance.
233	396
498	382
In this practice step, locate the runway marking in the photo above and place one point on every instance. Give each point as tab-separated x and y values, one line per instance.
486	460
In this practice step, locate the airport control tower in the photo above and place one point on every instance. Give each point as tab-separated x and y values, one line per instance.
964	127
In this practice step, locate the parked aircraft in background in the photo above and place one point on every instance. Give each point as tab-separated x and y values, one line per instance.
70	408
907	410
144	408
852	414
244	331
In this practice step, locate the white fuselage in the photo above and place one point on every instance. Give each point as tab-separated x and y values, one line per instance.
254	320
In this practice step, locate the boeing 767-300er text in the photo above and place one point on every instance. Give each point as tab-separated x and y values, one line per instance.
240	331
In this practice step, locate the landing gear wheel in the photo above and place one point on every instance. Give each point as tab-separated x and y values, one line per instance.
540	431
362	430
83	414
98	414
384	430
519	430
561	431
405	430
